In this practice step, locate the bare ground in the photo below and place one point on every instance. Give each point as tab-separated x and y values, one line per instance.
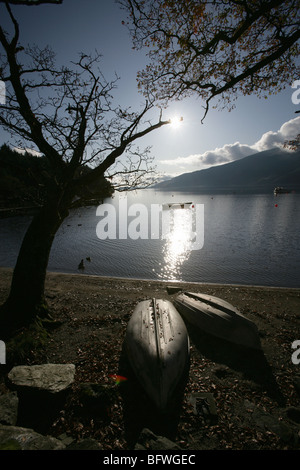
254	393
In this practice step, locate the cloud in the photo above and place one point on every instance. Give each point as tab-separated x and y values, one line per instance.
270	139
35	153
230	152
225	154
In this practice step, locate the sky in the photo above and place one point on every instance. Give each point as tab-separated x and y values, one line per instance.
83	26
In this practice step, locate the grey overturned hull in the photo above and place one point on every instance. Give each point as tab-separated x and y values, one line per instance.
218	318
157	346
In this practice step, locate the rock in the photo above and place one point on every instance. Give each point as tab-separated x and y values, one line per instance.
173	290
293	413
85	444
65	439
52	378
150	441
268	422
9	403
17	438
297	385
222	372
282	430
204	405
97	399
42	391
249	405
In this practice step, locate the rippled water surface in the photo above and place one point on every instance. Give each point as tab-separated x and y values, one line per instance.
238	239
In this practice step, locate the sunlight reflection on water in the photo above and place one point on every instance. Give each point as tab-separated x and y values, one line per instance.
177	247
249	239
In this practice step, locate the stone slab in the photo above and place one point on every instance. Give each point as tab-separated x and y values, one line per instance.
52	378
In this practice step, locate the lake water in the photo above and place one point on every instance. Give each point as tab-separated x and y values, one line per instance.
240	239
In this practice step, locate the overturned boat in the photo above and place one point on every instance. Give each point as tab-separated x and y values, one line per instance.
218	318
158	349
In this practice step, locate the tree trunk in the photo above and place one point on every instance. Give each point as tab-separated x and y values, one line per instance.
26	300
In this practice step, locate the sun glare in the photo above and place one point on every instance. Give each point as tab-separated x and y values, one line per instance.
177	248
176	121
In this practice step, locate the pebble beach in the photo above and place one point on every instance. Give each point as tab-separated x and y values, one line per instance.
254	396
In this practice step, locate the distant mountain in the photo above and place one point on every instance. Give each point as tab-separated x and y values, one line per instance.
258	173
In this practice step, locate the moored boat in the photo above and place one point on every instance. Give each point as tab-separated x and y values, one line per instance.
281	190
218	318
158	349
177	205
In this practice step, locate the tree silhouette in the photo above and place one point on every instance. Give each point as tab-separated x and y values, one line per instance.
215	48
68	114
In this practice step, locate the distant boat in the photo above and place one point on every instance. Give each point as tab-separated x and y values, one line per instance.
217	317
158	349
177	205
281	190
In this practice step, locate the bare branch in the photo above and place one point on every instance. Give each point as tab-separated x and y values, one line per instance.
214	48
68	113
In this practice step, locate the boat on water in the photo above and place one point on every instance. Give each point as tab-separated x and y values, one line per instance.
177	205
281	190
158	348
218	318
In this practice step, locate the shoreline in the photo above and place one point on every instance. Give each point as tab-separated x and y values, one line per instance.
172	283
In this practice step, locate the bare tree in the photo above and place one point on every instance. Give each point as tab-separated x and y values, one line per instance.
68	114
215	48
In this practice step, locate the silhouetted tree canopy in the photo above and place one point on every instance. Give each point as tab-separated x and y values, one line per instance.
215	48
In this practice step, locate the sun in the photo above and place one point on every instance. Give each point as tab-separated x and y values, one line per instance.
176	121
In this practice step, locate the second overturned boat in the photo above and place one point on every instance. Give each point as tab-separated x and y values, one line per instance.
158	349
218	318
